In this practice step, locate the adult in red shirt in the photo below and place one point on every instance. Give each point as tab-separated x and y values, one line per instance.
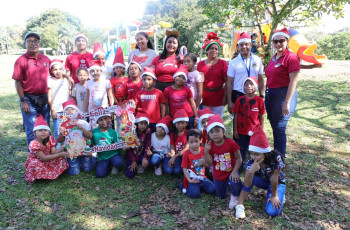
31	73
281	96
169	61
215	75
79	59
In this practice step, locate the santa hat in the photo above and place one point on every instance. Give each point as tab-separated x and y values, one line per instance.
183	70
70	104
103	113
81	35
133	62
141	115
95	64
215	120
252	79
98	50
244	37
165	122
119	58
180	115
40	123
284	32
56	62
150	72
204	113
258	140
212	38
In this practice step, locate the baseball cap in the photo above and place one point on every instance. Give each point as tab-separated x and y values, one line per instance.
31	34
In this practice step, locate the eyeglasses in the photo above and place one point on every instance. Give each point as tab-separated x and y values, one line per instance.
35	42
279	41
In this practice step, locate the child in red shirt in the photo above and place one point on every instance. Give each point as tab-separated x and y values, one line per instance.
134	84
248	110
151	99
223	153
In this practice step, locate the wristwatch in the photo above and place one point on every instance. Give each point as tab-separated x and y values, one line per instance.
22	99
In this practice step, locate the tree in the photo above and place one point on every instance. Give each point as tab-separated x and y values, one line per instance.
335	46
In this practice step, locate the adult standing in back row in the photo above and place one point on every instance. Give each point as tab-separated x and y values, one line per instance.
31	73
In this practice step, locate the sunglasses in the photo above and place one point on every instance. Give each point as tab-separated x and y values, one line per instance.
279	41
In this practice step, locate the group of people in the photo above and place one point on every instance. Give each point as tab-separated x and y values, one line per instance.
179	106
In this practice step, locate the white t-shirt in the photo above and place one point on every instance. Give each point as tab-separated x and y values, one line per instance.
237	69
144	58
59	92
98	93
79	92
160	146
193	78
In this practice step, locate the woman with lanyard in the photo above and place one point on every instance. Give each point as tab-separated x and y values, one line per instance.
281	96
215	75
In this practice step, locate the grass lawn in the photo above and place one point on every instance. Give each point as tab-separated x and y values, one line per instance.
317	170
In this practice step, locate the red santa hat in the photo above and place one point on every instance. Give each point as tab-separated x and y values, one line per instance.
252	79
204	113
258	140
81	35
141	115
284	32
119	58
182	70
56	62
165	122
70	104
40	123
212	38
103	113
180	115
133	62
215	120
98	50
244	37
95	64
150	72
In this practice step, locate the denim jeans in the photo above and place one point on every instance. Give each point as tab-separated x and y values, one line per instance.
261	183
56	125
176	169
156	160
103	166
30	117
273	103
243	142
128	172
194	190
221	187
86	162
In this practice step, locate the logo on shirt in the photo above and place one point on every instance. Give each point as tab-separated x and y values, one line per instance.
148	97
82	61
277	65
223	162
45	64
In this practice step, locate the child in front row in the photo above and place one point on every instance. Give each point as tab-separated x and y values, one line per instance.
179	96
178	143
104	135
137	159
223	153
44	161
151	99
249	110
160	143
193	159
264	170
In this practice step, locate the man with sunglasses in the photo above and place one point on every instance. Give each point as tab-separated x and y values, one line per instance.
31	73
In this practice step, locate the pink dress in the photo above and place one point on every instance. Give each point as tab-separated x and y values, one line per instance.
38	169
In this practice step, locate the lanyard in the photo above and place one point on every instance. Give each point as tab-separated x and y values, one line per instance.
250	62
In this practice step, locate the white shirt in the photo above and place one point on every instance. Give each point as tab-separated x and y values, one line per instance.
59	92
98	93
160	146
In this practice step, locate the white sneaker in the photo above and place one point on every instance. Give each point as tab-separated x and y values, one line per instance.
140	169
114	170
233	202
284	199
158	171
240	214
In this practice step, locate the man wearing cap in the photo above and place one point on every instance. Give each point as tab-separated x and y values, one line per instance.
78	59
244	65
31	73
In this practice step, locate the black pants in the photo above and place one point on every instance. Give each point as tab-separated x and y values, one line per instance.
235	94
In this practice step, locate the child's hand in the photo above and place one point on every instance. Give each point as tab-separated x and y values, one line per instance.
144	163
207	147
194	181
60	149
172	161
236	133
149	152
133	166
234	176
64	154
255	166
276	203
62	130
202	161
80	126
53	114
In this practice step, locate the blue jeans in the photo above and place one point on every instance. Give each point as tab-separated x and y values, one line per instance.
221	188
191	122
194	190
156	160
261	183
86	162
30	117
176	169
274	102
243	142
56	125
103	166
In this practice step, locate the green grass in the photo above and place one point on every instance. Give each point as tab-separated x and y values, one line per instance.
317	169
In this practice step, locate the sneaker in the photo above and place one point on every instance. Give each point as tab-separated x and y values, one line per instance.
140	169
284	199
158	171
240	214
114	170
233	202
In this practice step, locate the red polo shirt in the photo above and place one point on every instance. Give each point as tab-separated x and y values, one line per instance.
33	73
